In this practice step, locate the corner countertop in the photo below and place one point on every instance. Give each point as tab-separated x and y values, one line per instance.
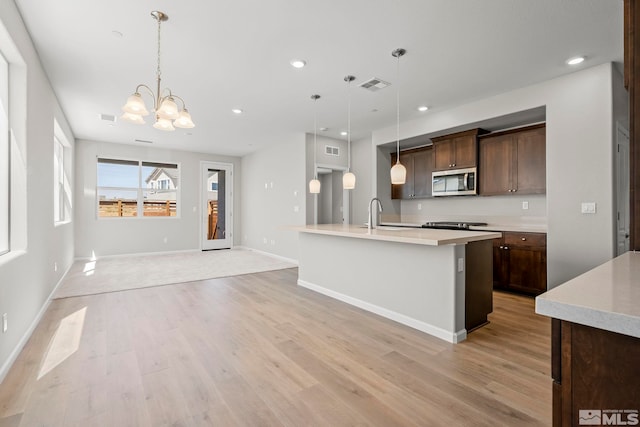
416	236
607	297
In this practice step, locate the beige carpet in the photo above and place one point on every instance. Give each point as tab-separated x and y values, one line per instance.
132	272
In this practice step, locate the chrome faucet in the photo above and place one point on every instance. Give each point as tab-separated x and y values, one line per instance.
370	226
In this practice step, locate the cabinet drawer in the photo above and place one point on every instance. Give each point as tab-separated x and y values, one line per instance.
525	239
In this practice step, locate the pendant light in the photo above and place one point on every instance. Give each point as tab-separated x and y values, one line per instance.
398	171
349	179
314	184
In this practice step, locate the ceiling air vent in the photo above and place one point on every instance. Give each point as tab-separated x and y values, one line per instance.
374	84
108	118
144	141
331	151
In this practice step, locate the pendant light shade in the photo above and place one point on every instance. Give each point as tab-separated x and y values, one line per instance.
349	178
314	184
398	171
135	105
398	174
348	181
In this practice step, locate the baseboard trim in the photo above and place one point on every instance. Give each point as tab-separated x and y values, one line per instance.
4	370
136	254
281	258
389	314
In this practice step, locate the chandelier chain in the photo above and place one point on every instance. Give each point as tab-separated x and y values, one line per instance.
158	70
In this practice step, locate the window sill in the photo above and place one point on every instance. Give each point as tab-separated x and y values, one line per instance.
10	256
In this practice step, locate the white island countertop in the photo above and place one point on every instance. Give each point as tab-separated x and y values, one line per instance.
416	236
607	297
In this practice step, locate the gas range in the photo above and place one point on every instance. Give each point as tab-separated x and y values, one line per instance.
453	225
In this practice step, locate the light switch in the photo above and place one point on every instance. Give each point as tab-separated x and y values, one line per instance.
525	205
588	207
460	265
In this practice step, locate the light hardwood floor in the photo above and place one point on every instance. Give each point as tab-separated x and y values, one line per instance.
257	350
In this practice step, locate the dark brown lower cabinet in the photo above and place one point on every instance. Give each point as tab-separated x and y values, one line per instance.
520	262
596	376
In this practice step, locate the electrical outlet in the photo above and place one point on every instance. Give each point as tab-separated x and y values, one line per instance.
525	205
5	325
273	242
419	206
296	208
460	265
264	240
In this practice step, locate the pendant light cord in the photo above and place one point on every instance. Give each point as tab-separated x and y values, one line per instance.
398	115
349	125
315	136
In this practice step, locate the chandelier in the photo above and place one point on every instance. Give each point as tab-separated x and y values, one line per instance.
164	102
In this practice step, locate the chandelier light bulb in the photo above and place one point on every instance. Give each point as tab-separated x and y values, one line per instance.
132	118
184	120
163	124
168	109
135	105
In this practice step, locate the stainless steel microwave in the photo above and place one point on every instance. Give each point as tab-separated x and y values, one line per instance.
458	182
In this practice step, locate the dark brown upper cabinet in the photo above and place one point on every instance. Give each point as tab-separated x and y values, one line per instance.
513	162
457	150
419	164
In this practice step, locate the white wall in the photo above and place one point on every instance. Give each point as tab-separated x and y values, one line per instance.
361	165
27	275
116	236
579	160
273	185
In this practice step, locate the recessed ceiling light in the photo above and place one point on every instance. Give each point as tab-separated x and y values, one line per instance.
297	63
423	108
237	111
324	129
343	133
575	61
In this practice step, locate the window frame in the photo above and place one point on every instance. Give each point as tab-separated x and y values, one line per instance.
61	185
140	189
5	165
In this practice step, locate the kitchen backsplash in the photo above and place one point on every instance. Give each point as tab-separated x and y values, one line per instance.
492	209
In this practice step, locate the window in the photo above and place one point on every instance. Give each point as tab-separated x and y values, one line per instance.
5	176
131	188
61	169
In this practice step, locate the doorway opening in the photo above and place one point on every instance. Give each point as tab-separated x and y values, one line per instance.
217	205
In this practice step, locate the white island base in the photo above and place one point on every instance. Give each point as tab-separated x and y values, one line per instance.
415	277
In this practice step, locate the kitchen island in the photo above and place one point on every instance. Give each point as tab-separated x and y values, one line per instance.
595	344
436	281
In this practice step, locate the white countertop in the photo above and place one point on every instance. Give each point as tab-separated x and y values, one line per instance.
607	297
418	236
518	228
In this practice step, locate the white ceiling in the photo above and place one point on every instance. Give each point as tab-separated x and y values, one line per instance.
220	55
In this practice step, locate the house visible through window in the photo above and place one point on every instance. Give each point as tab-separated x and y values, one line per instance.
61	169
132	188
5	177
